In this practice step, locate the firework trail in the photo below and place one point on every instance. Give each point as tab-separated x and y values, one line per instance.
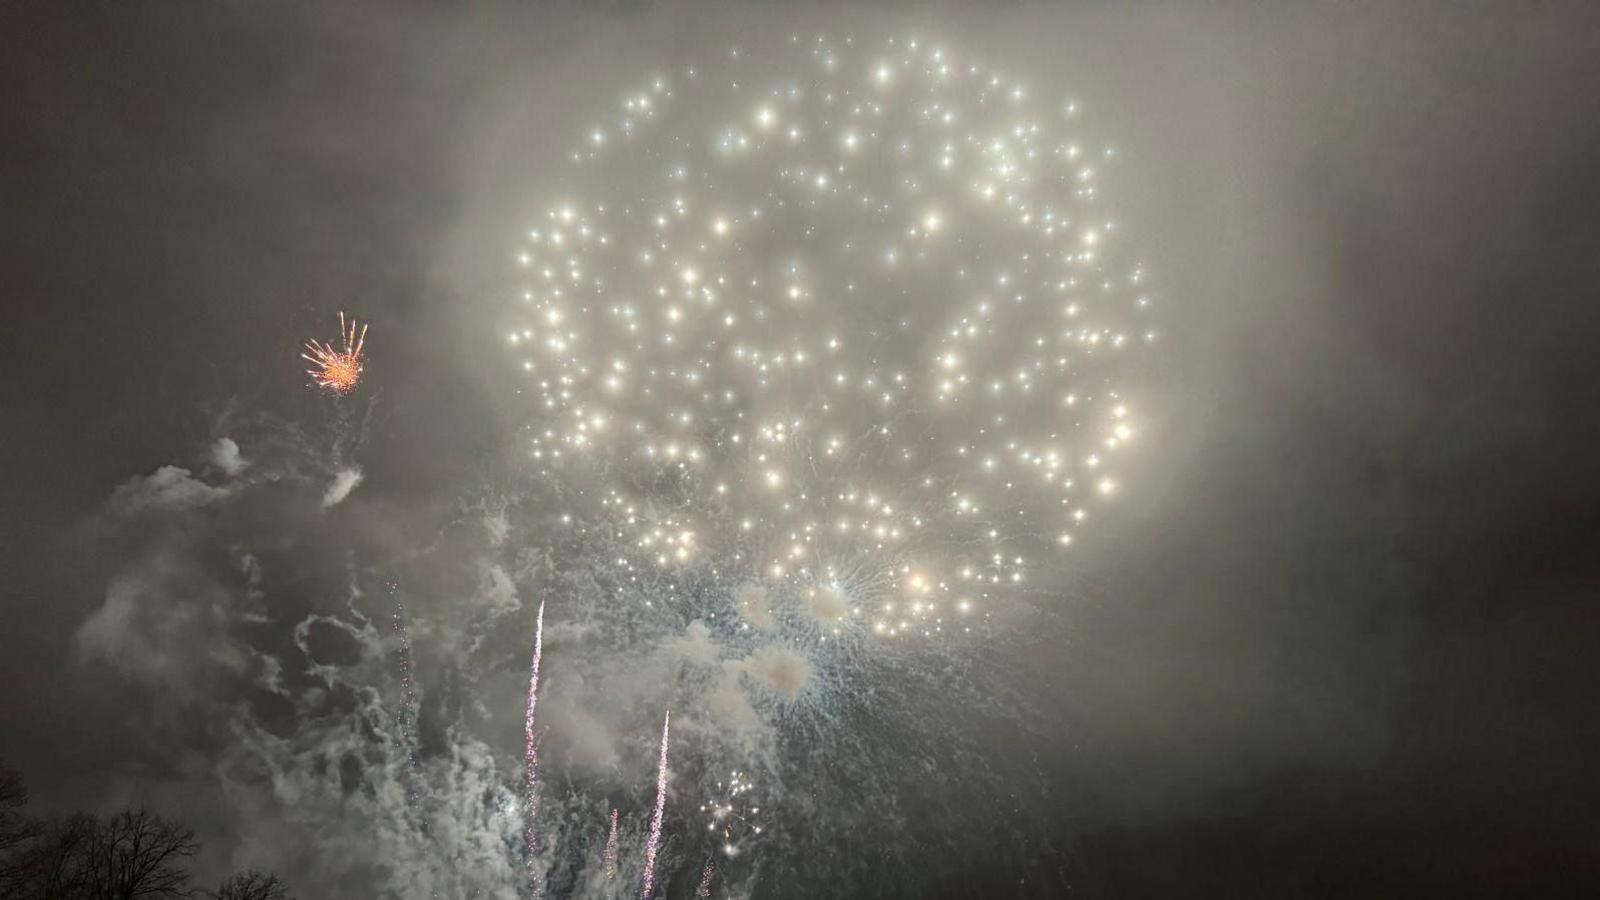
705	880
408	714
408	700
610	859
654	845
338	371
530	753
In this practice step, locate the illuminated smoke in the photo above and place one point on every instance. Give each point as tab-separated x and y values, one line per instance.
345	481
654	845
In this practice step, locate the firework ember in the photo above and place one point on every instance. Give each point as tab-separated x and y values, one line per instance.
337	370
705	880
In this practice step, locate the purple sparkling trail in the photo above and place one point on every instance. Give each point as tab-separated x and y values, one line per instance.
654	845
611	849
530	753
705	880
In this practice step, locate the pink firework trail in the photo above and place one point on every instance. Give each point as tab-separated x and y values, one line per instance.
530	752
705	880
611	849
654	845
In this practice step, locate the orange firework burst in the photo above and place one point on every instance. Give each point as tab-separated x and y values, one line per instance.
337	370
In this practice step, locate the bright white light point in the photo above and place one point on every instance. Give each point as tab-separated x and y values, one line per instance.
1107	486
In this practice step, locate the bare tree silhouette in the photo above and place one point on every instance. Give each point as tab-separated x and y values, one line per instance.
17	830
136	854
133	855
252	885
53	866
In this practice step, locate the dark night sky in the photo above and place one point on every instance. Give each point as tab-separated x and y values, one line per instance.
1342	640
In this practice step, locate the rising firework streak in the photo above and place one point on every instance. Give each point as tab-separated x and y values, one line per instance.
408	715
611	849
654	845
408	701
530	788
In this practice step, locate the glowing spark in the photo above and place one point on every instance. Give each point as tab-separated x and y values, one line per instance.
337	370
653	846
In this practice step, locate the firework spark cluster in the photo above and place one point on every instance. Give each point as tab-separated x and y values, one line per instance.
334	369
843	333
729	814
825	352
